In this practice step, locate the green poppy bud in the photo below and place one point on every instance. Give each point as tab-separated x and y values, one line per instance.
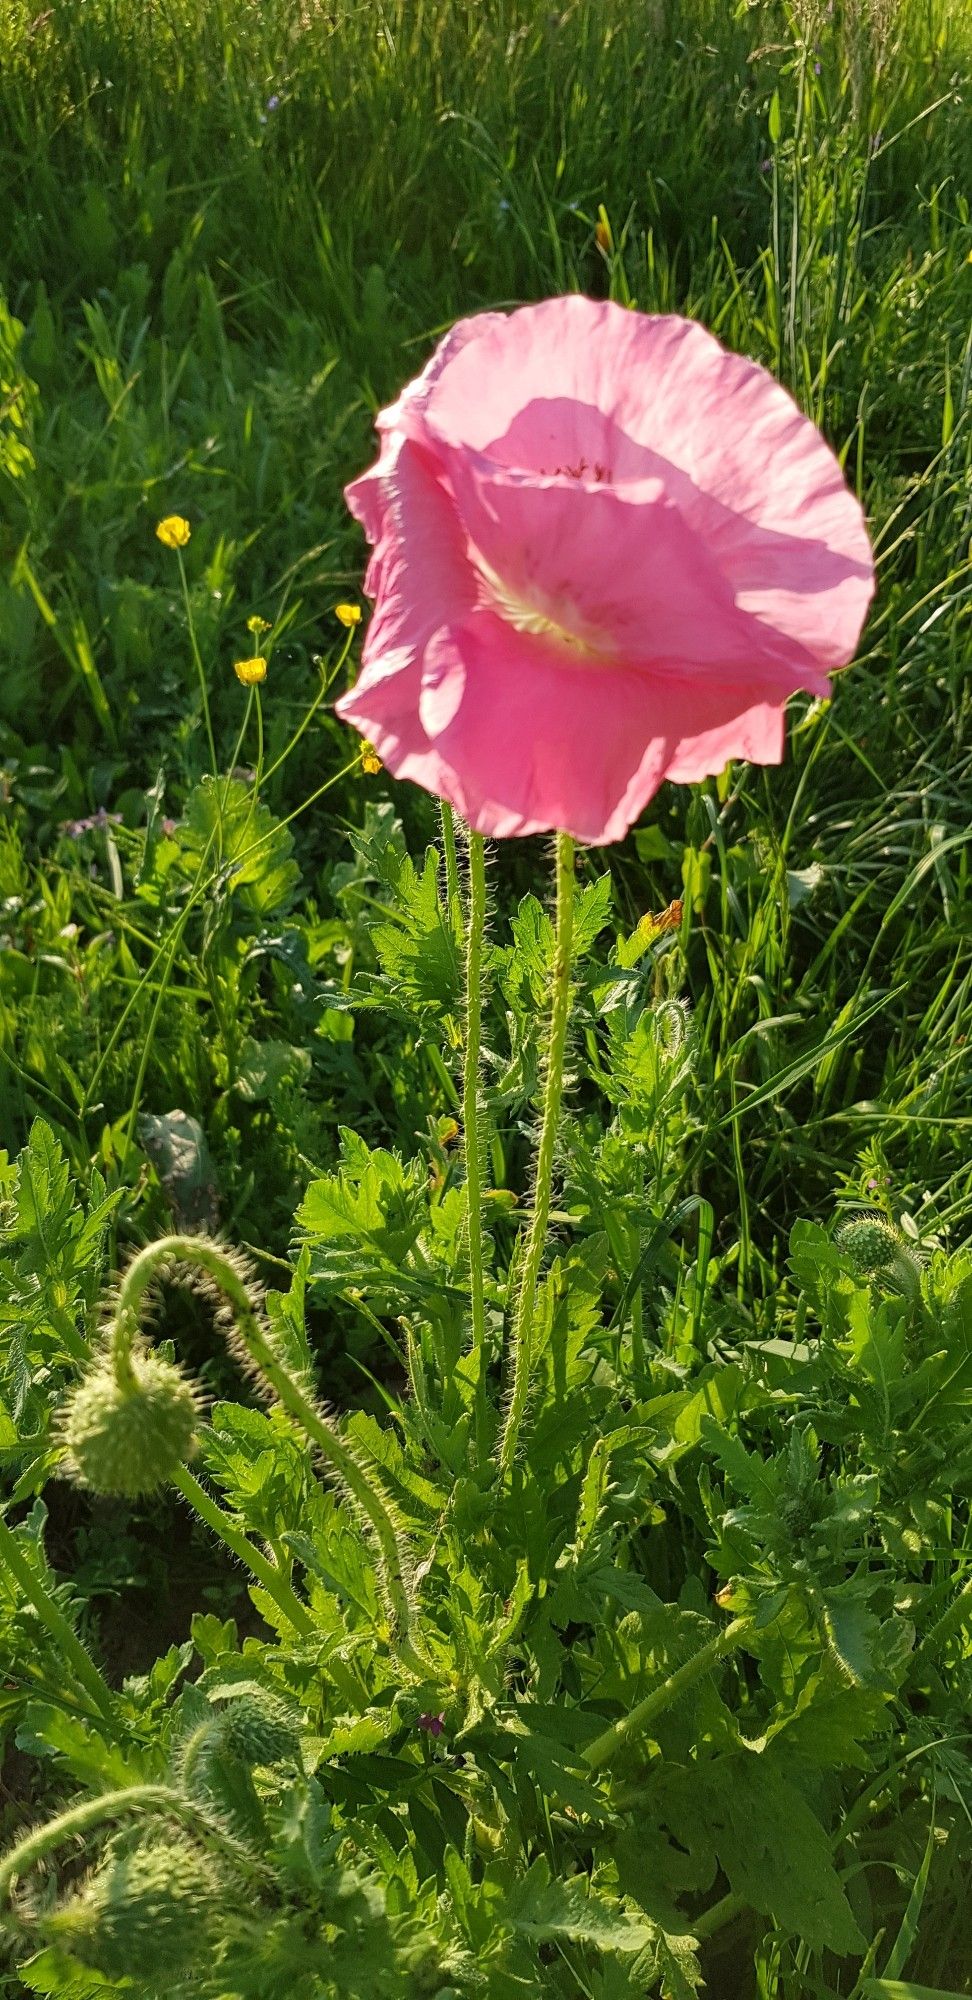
258	1730
147	1916
129	1439
871	1245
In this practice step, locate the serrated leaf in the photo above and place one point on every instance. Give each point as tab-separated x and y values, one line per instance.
543	1908
224	823
775	1852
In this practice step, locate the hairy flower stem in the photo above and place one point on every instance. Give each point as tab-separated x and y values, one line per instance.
525	1310
448	821
79	1820
199	1254
74	1654
470	1119
269	1577
607	1746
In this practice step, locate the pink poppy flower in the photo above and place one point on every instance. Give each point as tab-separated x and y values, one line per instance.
605	552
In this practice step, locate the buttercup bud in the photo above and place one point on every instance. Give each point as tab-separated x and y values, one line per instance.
147	1915
129	1439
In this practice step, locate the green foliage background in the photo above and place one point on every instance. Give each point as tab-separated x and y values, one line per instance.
227	235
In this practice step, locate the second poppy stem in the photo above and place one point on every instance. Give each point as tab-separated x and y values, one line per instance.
470	1118
525	1311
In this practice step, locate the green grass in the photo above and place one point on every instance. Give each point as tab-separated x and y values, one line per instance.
215	297
203	301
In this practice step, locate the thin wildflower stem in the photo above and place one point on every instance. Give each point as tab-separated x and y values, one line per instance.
255	845
272	1582
525	1310
200	669
612	1741
327	682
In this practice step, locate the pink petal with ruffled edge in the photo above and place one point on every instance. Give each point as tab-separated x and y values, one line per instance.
627	396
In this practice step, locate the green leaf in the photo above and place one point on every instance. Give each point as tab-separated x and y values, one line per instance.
361	1223
775	1852
417	949
264	1067
49	1732
543	1908
45	1193
592	910
226	826
904	1989
54	1972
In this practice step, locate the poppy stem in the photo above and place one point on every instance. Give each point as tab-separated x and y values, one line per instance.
470	1119
607	1746
448	819
525	1311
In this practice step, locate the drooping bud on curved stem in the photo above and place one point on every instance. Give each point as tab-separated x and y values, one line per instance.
251	1339
107	1806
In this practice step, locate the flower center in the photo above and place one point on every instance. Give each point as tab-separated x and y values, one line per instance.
558	620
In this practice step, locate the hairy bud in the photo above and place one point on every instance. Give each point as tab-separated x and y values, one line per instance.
258	1730
128	1439
874	1248
674	1027
148	1915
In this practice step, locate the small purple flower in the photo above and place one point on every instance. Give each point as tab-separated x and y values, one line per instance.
872	1185
74	828
169	827
817	67
434	1725
765	166
877	141
273	103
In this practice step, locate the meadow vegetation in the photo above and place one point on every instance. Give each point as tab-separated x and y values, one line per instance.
232	1001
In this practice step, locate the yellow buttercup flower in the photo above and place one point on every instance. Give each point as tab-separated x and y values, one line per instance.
370	760
256	625
249	672
174	531
349	614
